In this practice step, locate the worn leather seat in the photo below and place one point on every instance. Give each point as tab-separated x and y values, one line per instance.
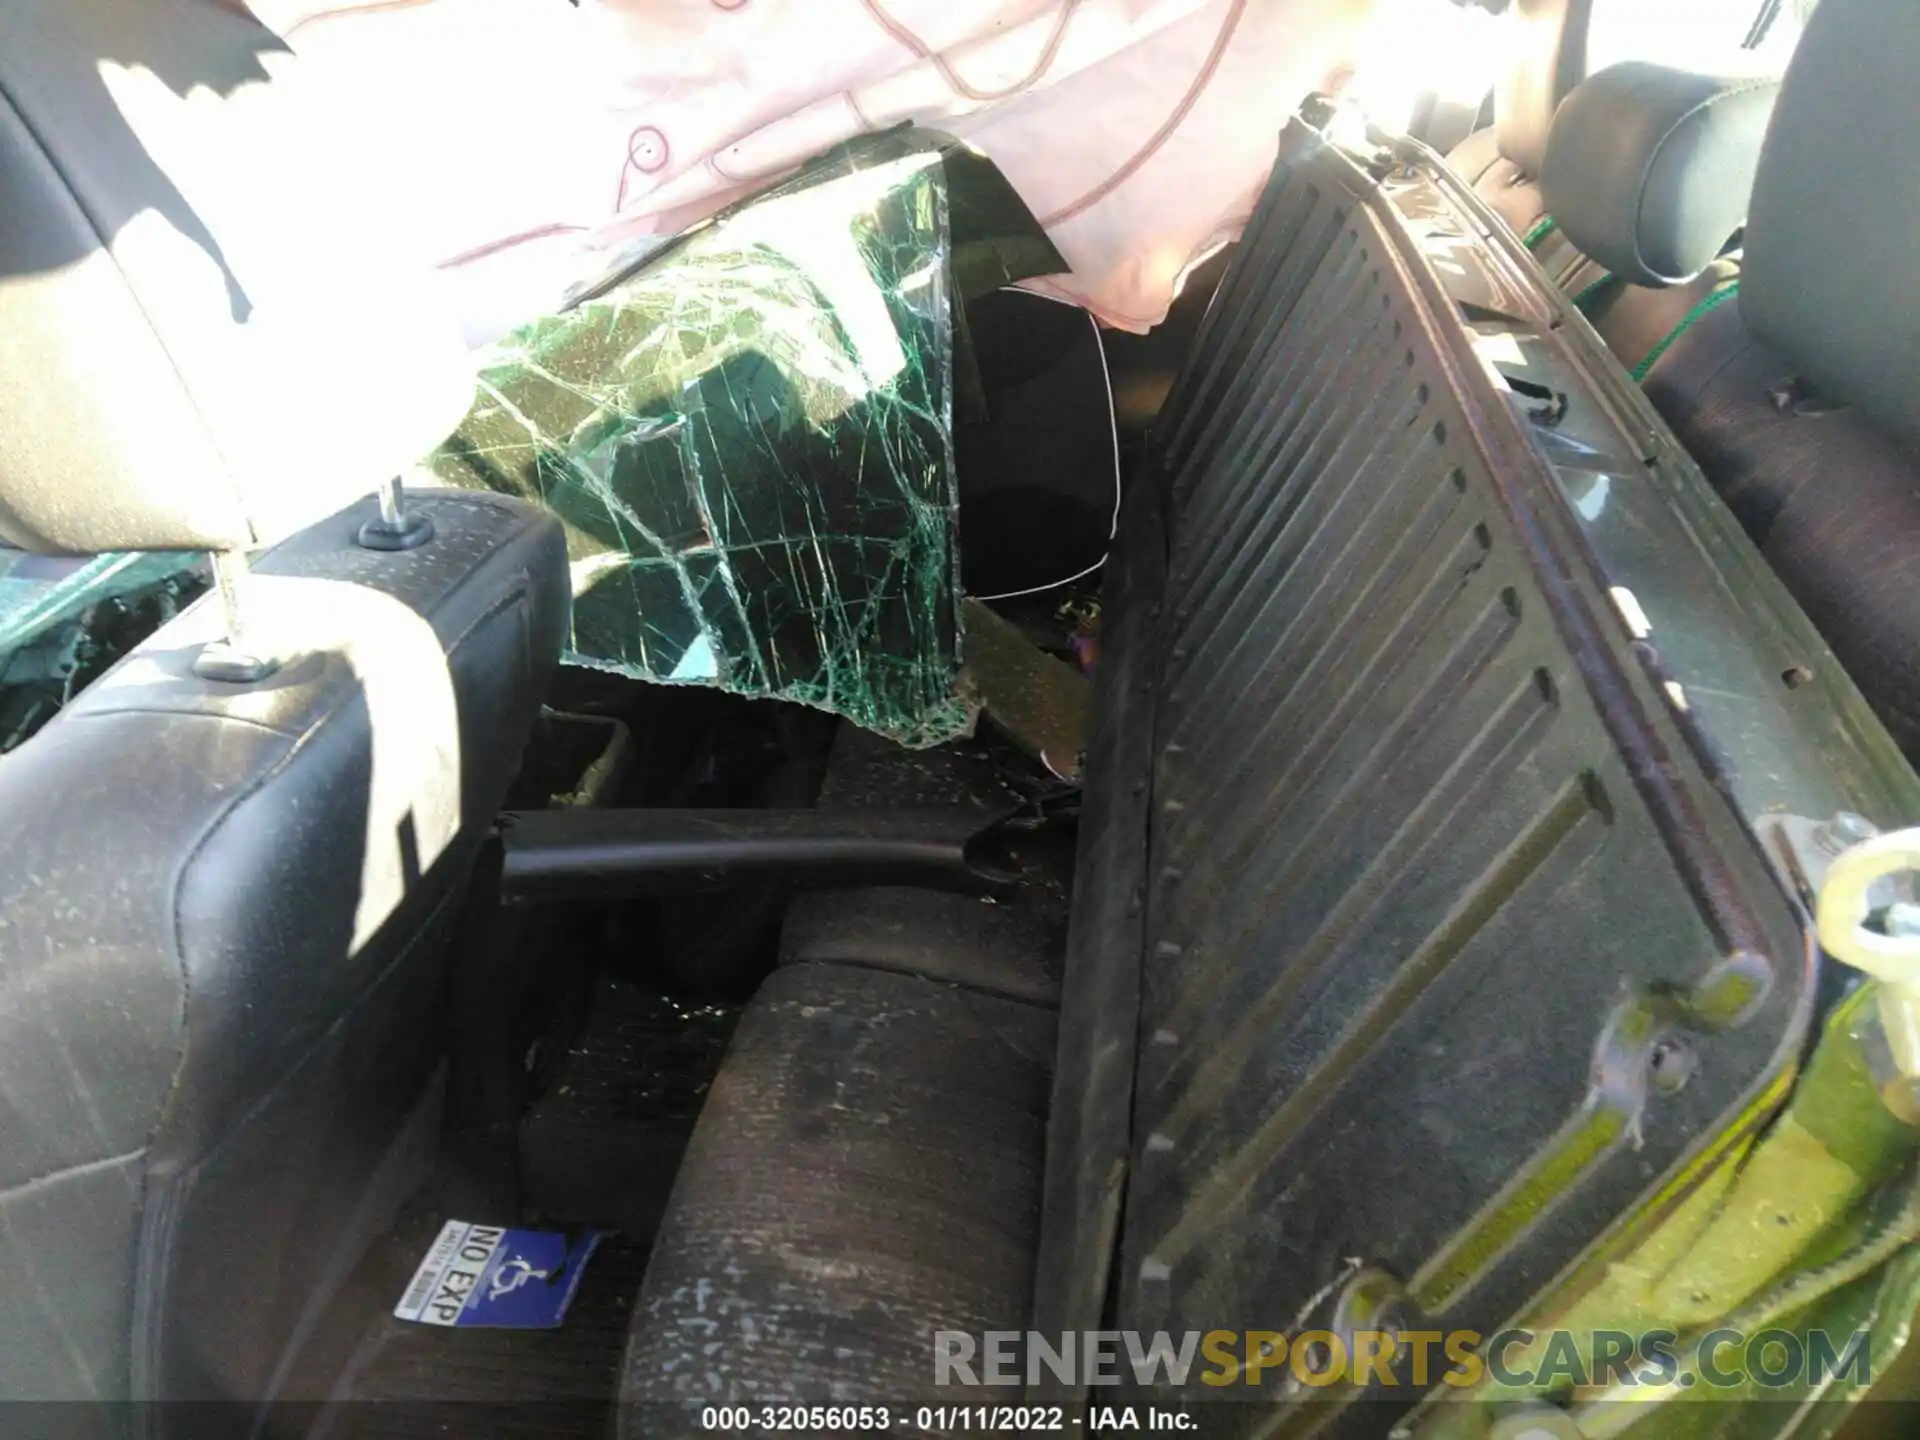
869	1163
1648	172
226	903
1797	398
866	1171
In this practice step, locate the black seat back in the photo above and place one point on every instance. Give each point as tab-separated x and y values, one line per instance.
1798	399
223	926
225	902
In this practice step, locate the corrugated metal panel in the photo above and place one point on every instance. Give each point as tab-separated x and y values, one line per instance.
1088	1128
1431	869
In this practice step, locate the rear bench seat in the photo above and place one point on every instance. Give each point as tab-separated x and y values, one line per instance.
868	1163
1395	817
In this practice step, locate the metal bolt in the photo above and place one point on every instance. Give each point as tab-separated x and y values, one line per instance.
1370	1301
1672	1062
1851	829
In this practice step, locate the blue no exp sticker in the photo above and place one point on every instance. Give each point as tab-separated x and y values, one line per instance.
489	1275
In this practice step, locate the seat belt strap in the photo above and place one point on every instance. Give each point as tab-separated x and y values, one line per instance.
1719	296
1604	280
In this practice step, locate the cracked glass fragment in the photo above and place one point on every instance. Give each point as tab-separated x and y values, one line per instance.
64	620
749	440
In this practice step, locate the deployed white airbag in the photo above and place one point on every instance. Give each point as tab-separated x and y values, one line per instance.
529	140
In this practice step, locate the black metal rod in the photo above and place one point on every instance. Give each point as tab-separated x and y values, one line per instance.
591	853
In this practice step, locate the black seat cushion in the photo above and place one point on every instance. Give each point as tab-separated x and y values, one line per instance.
866	1171
1648	173
1009	947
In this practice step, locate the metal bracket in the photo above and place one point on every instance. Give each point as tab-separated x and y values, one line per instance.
1865	920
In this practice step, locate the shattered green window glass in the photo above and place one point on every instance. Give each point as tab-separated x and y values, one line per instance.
750	442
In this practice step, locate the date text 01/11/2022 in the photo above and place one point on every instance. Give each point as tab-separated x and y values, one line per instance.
985	1419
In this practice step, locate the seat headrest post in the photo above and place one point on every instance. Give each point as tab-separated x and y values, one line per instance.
238	659
193	273
396	527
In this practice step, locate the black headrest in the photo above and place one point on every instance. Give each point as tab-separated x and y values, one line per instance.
1649	169
1829	276
1546	57
206	340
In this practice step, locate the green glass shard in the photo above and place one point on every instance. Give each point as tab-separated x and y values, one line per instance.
749	440
37	594
63	621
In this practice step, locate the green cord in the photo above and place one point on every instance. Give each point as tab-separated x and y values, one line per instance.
1591	289
1721	294
1542	228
